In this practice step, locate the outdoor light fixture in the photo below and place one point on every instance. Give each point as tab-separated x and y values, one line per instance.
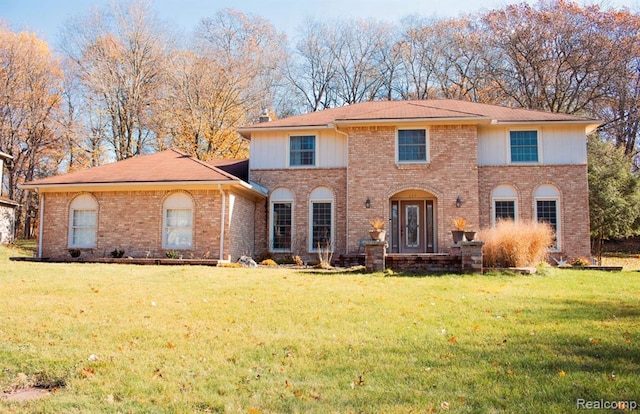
367	203
458	202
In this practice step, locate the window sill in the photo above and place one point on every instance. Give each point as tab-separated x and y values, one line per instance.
412	165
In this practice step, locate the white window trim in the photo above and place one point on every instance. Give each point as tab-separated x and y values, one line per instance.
508	146
165	244
316	150
493	208
558	247
271	225
312	248
427	146
70	234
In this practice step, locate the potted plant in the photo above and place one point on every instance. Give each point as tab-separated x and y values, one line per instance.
459	223
378	232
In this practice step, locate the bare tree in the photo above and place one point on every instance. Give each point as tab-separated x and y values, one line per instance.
120	56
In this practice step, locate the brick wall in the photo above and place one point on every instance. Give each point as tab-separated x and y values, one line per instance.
133	221
572	182
452	171
301	182
240	237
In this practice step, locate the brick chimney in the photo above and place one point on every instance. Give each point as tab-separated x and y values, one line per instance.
264	116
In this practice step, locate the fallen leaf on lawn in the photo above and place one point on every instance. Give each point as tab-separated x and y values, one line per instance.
452	340
562	373
287	384
476	328
594	340
314	395
252	410
444	405
297	393
170	345
88	372
510	373
109	399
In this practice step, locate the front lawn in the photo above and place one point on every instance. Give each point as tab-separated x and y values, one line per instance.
119	338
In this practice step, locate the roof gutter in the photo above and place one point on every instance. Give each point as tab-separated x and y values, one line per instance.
107	186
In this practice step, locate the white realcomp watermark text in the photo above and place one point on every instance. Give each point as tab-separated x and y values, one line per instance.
606	405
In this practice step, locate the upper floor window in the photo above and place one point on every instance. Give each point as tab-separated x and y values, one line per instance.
177	226
83	221
412	145
302	150
524	146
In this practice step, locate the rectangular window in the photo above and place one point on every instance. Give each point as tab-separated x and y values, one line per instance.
321	225
412	145
178	228
546	211
505	209
281	214
83	228
302	150
524	146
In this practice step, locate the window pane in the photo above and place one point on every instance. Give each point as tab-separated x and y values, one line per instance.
524	146
321	225
547	212
281	226
412	145
505	210
83	228
178	227
302	150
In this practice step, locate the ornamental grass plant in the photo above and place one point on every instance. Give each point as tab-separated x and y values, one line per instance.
523	243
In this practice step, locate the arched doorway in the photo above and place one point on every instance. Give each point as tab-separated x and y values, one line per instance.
413	222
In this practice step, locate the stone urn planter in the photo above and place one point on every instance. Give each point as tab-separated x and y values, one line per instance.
469	235
378	235
458	235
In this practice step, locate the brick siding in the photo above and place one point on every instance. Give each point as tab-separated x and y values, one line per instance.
132	221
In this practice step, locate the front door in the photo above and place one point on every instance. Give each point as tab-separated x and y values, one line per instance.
415	224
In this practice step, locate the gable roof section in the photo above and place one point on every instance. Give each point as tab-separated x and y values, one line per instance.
167	167
409	111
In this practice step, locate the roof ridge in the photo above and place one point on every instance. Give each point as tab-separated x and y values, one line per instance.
205	164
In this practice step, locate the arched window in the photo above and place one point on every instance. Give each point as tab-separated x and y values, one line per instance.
83	221
321	219
177	222
281	221
547	206
504	201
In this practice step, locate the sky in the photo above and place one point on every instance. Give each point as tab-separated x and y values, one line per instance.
45	17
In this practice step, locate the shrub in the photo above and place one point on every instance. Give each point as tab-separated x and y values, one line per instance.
516	244
172	254
580	262
117	253
268	262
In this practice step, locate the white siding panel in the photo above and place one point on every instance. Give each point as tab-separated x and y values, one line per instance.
332	150
269	150
559	144
564	145
492	146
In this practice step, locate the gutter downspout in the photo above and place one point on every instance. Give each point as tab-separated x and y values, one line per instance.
346	224
41	226
222	221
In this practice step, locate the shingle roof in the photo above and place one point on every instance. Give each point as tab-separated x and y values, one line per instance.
162	167
416	110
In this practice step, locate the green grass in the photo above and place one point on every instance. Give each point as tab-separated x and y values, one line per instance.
199	339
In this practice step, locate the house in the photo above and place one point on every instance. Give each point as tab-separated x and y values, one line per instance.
418	165
313	182
7	208
148	206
